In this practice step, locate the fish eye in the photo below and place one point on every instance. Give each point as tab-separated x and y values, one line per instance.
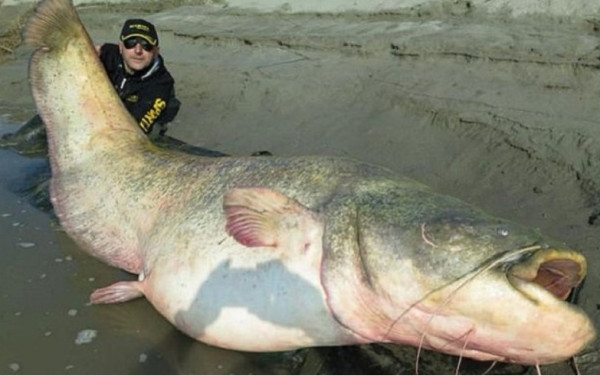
503	232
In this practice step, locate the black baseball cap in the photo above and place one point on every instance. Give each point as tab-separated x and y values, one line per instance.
139	28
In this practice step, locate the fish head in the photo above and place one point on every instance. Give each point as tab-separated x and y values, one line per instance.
432	271
514	308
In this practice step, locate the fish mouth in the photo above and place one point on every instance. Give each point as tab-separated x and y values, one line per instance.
558	272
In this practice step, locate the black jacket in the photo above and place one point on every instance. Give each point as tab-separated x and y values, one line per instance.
149	95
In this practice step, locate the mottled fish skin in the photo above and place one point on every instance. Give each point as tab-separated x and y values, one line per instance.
270	253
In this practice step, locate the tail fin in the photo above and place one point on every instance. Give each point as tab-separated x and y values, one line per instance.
54	23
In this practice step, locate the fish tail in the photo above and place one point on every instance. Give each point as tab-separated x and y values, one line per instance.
54	23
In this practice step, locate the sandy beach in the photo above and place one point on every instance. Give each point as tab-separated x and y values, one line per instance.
493	102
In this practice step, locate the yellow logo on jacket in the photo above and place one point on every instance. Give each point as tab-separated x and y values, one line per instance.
153	114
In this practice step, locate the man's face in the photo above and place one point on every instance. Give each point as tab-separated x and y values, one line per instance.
137	58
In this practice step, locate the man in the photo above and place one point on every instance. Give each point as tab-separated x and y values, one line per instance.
138	73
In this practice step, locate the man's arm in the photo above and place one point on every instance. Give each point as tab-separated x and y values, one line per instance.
149	117
161	107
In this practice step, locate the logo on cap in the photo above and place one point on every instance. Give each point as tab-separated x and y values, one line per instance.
139	28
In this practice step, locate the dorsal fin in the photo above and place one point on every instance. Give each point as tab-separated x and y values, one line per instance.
262	217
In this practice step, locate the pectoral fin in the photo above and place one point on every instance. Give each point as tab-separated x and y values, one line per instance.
262	217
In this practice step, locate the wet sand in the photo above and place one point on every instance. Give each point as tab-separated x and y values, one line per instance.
493	105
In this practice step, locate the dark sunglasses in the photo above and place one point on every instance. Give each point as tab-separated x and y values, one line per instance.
132	42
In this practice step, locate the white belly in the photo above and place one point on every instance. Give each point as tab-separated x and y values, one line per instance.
262	303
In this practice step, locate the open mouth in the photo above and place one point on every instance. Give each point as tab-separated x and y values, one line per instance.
557	271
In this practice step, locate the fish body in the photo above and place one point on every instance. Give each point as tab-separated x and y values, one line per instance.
271	253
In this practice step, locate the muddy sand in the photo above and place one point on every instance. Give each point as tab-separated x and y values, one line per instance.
496	103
